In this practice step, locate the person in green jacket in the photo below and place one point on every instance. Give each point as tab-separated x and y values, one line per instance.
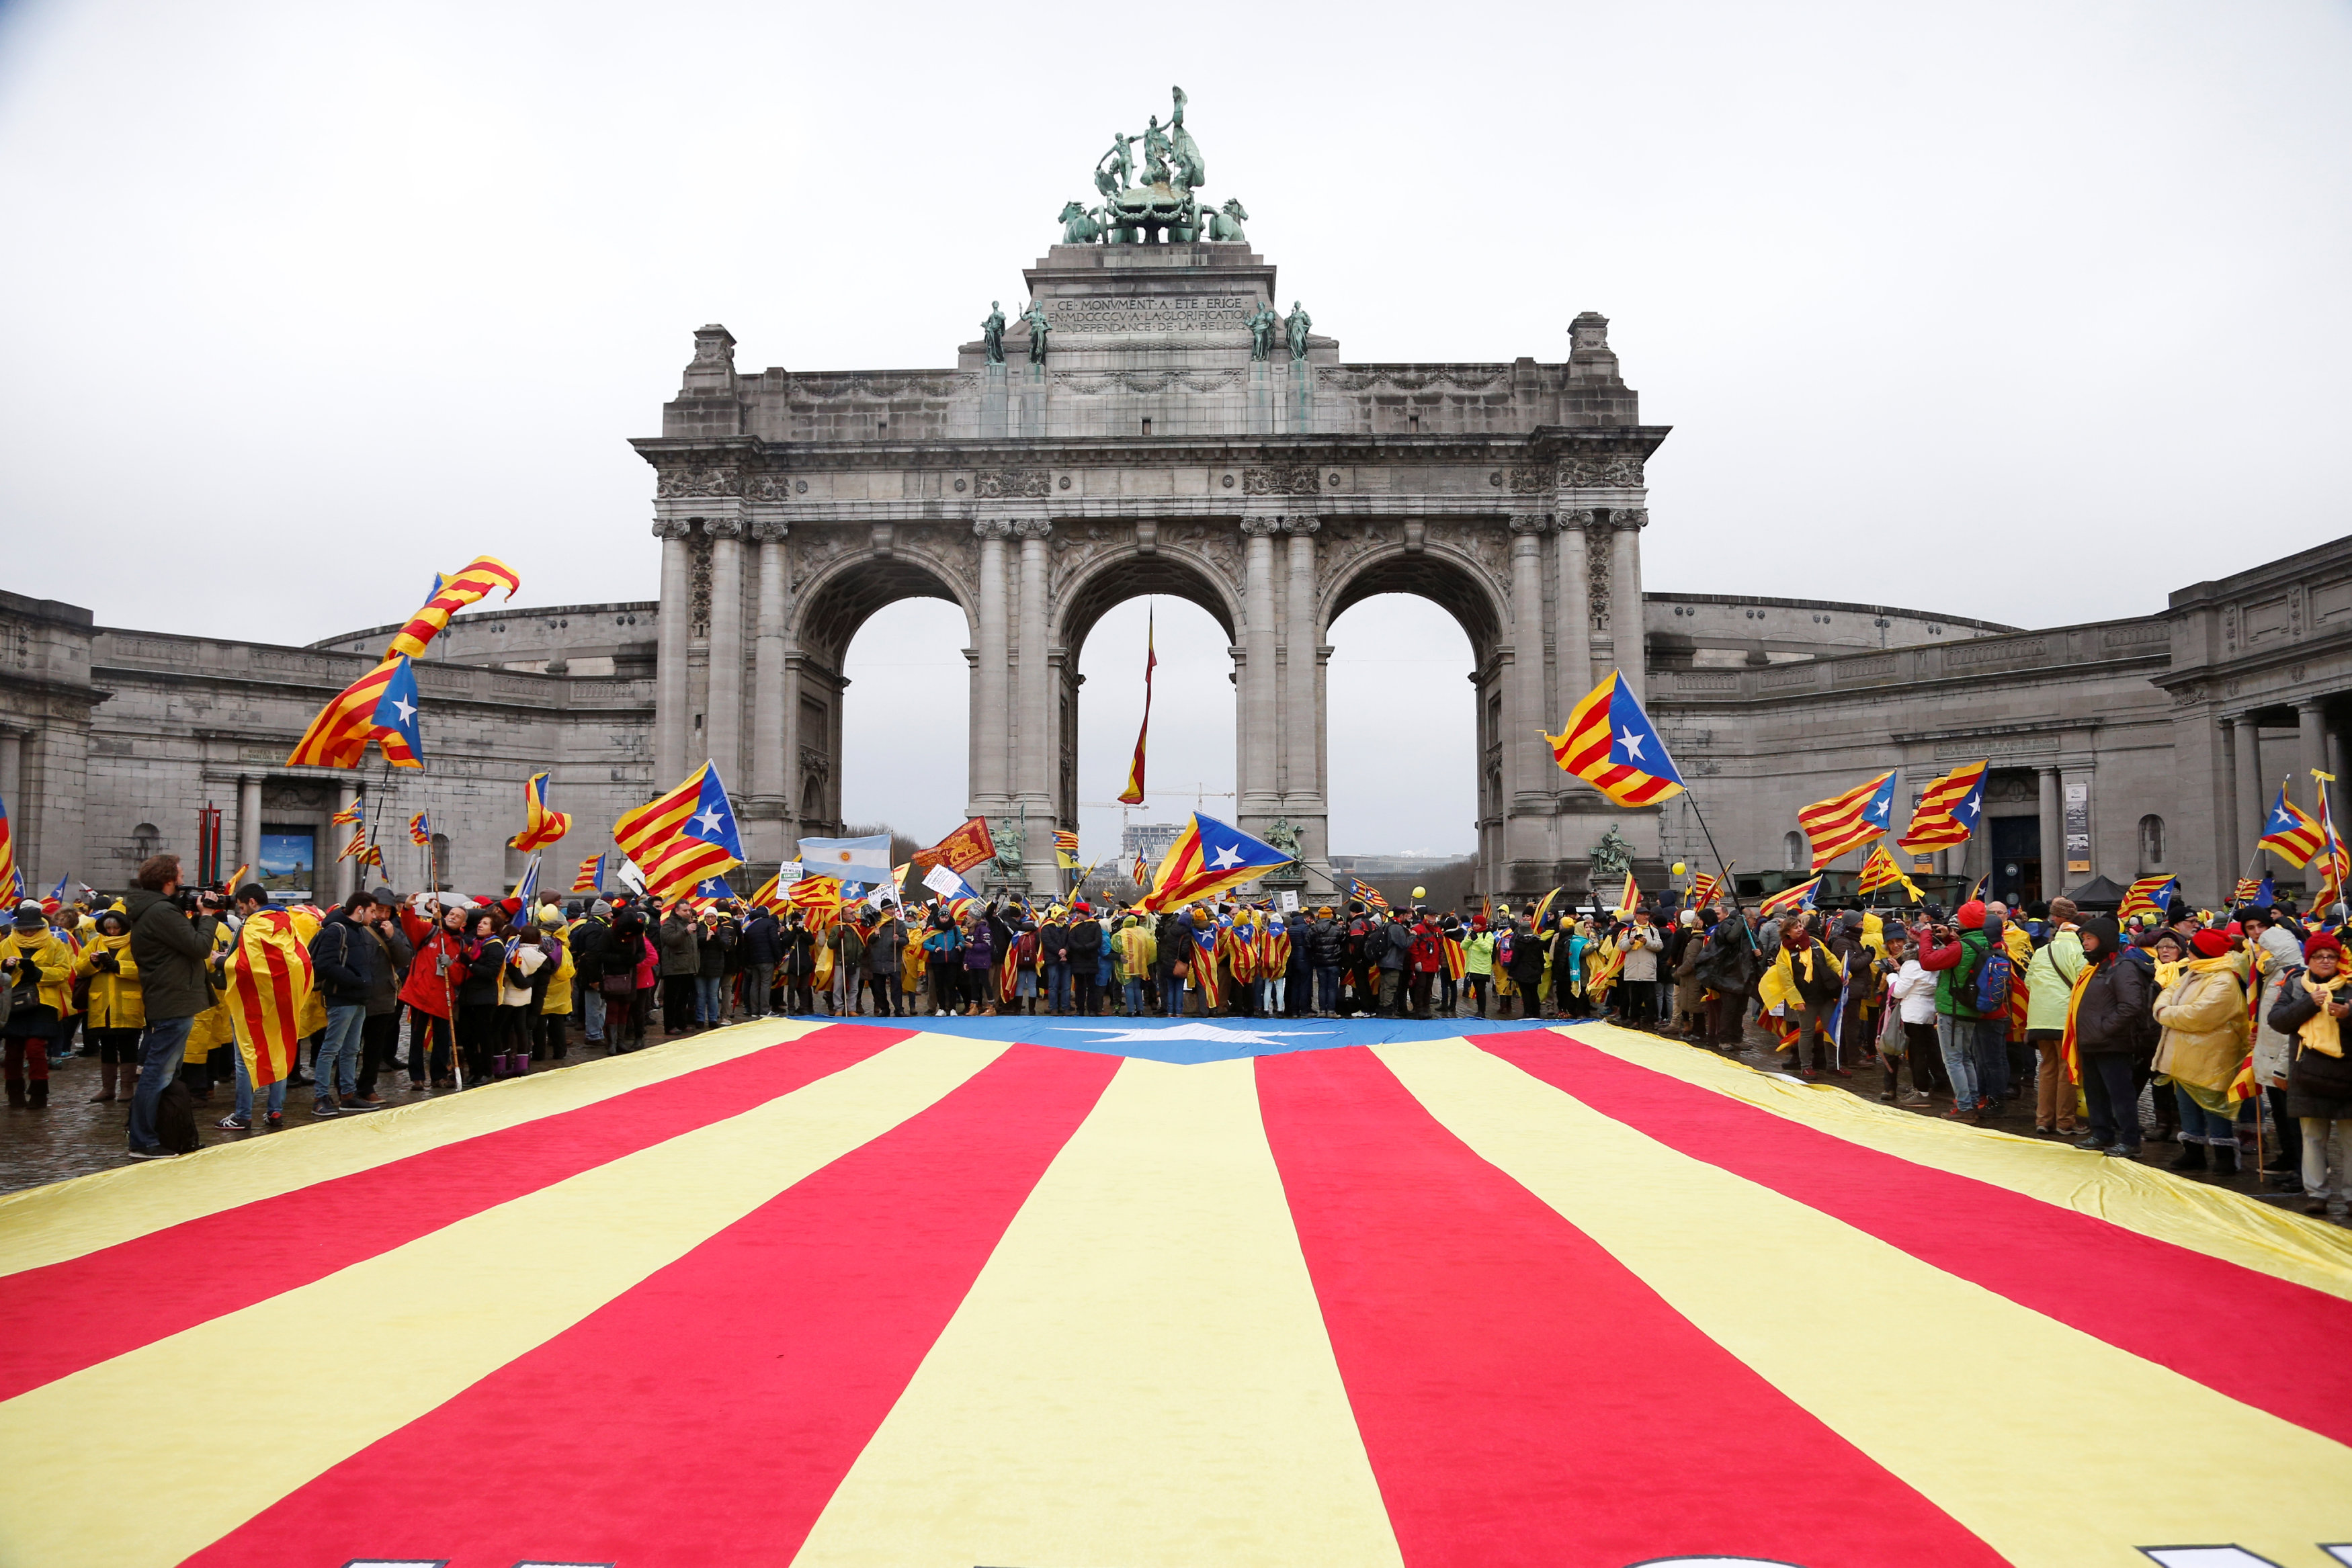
2049	990
1478	961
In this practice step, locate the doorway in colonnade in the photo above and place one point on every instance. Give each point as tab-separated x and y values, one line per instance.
1404	756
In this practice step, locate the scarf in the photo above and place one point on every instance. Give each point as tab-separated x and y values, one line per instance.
2321	1031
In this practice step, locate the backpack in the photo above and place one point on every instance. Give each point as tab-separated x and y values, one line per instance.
175	1119
1992	979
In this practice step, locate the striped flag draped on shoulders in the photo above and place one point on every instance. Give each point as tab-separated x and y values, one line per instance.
1609	743
268	985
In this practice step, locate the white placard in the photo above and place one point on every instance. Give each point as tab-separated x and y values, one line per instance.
790	871
943	882
1290	903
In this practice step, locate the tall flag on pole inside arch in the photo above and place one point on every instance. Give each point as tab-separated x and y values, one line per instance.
1848	821
1133	794
541	826
1947	810
1609	743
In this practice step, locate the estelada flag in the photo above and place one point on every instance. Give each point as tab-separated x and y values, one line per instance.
1133	794
1065	849
1947	810
420	831
2335	858
354	813
680	838
1701	890
1879	871
1628	898
269	985
477	580
541	826
2148	896
967	847
381	705
2290	834
1801	896
11	887
1847	821
1609	743
591	878
1207	858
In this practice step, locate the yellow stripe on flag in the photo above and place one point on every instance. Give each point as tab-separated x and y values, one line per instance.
2121	1192
228	1435
1760	1273
50	1224
1139	1375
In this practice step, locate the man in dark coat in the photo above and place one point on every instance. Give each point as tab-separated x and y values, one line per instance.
172	947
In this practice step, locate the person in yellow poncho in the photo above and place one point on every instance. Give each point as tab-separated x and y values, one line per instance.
1135	949
39	973
555	1007
118	1009
2202	1012
1805	980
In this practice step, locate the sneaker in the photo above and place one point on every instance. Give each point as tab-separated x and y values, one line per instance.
324	1108
2121	1152
273	1119
159	1153
1913	1097
362	1101
234	1125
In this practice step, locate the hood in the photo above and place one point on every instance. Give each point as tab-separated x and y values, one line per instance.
139	901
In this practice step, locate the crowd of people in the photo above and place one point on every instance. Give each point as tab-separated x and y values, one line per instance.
2209	1020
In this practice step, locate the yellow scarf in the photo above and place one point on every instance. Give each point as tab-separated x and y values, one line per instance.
2320	1031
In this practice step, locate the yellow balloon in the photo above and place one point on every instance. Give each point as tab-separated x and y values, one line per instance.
1420	893
1679	868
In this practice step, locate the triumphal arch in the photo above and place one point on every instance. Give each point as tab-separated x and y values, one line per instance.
1154	418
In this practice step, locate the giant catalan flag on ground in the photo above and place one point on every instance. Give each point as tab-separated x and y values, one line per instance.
846	1295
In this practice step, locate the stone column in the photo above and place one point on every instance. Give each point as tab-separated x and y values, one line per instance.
1302	790
1525	755
1575	606
1625	569
2253	792
1033	736
767	775
991	717
1259	797
248	823
2054	835
12	780
725	725
670	717
2311	725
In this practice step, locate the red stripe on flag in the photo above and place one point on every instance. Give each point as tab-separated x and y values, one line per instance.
2114	1284
1524	1397
226	1261
707	1416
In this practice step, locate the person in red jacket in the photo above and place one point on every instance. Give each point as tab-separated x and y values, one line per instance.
431	993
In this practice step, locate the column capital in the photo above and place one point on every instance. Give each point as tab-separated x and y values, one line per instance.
1576	517
722	528
991	528
1259	528
1528	523
2310	705
1629	518
672	527
1301	524
1033	527
767	532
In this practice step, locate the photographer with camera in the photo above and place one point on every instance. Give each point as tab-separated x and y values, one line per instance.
172	942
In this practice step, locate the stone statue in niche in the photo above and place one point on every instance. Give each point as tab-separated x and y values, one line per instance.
1611	858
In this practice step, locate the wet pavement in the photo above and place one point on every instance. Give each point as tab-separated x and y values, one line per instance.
74	1134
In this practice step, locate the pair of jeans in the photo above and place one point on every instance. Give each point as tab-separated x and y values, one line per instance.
1991	1048
159	1058
710	998
1956	1039
2114	1094
338	1066
1326	987
2199	1125
1058	986
592	1008
276	1098
759	980
1171	996
1134	989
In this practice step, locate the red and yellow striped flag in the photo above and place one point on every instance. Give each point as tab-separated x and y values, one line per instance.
1133	794
2290	834
1609	743
541	826
678	838
1849	820
475	581
1947	811
270	984
338	736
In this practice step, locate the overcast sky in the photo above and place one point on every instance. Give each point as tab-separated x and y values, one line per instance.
2031	312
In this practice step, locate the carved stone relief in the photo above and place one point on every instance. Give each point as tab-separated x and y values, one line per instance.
998	484
1299	480
698	481
698	557
1618	472
1596	576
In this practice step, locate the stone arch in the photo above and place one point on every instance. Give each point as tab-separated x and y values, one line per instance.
840	594
1089	590
1459	584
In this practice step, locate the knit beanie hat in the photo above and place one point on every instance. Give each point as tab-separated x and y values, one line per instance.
2320	942
1971	914
2209	943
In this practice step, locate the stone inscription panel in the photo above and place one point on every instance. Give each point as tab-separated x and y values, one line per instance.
1151	313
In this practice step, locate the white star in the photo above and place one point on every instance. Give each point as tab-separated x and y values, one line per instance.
1632	743
1226	859
1878	809
1200	1031
404	708
711	820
